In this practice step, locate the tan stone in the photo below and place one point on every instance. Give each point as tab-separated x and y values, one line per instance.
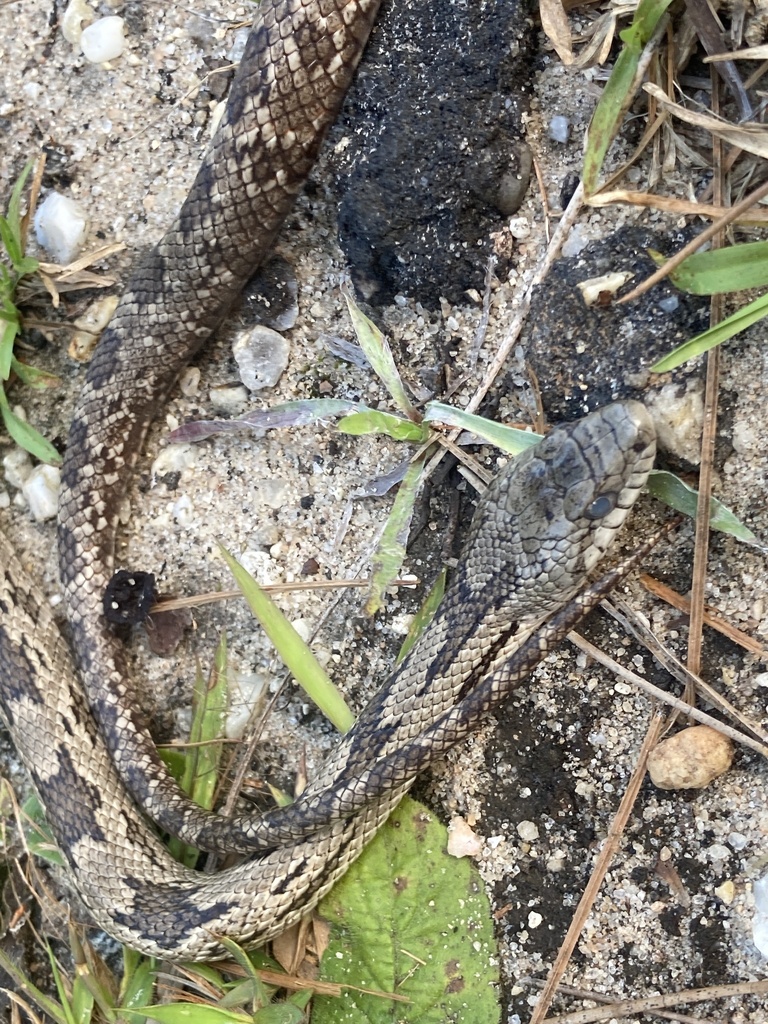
690	759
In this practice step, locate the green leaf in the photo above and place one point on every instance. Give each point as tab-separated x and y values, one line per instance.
279	1013
678	495
391	549
26	436
734	324
297	657
408	919
35	378
190	1013
722	270
509	439
10	242
39	836
374	422
138	981
618	93
376	348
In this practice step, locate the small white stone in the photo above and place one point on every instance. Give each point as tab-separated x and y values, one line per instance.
273	493
103	40
184	511
261	355
189	381
41	490
61	226
5	498
519	228
228	400
528	831
462	841
17	465
534	919
559	129
174	459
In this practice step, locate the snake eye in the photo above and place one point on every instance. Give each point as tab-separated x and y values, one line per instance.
601	506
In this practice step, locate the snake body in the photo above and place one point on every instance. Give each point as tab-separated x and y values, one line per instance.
520	585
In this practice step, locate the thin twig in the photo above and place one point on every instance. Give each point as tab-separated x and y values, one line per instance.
711	617
681	706
629	619
646	1004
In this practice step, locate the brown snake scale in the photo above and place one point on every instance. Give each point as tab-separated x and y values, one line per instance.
520	585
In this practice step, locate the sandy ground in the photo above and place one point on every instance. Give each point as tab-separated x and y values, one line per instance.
131	136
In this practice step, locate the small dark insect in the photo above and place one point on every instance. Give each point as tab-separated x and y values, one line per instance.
128	597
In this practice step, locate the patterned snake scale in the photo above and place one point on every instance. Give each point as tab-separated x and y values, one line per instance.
519	587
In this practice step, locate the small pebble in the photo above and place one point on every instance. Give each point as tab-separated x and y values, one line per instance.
17	465
608	284
229	400
41	490
173	459
103	40
669	304
261	355
690	759
559	129
61	226
462	841
519	227
89	326
528	831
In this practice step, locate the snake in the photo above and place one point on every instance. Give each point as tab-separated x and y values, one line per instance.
519	587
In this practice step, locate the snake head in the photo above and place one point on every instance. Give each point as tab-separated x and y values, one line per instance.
551	514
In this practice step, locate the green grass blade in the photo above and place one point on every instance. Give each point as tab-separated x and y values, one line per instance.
391	550
424	615
678	495
297	657
618	93
138	981
734	324
14	204
732	269
26	436
202	760
25	987
189	1013
509	439
375	422
35	378
376	348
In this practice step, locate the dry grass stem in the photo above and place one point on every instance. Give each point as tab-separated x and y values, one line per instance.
681	706
649	1004
712	618
629	619
710	232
